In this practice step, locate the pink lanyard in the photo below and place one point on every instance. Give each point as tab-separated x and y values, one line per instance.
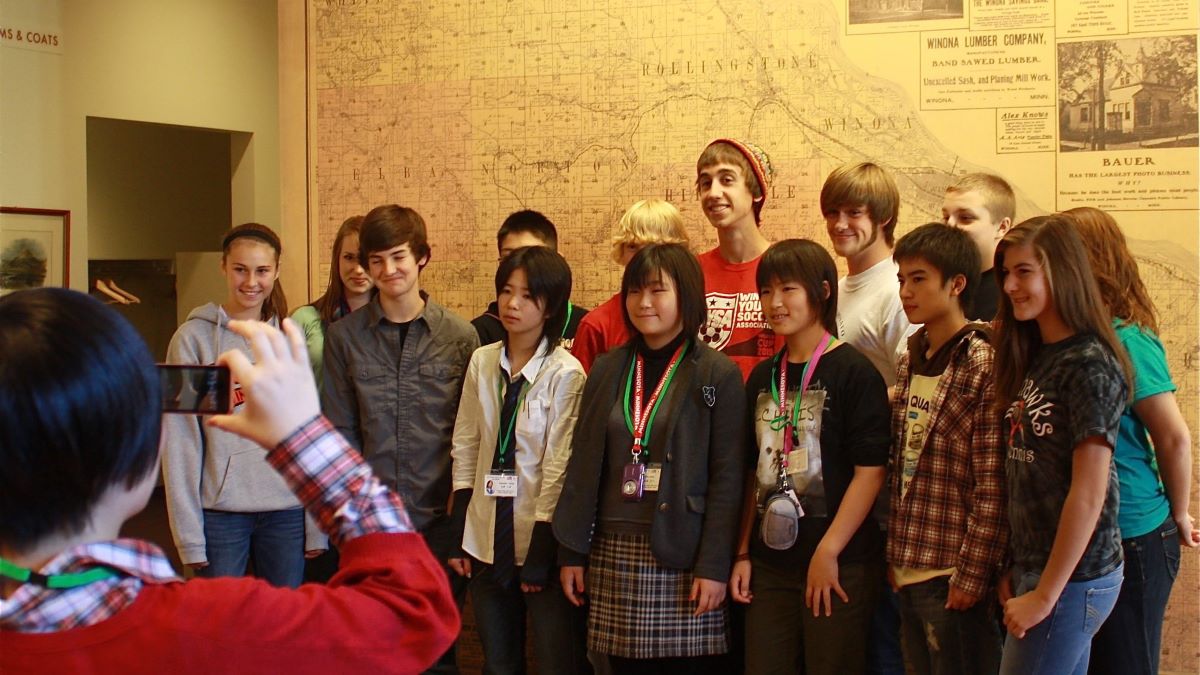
809	368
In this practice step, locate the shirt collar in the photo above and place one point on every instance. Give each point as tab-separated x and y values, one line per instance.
530	371
430	314
133	557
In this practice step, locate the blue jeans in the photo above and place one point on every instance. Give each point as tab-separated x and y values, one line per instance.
884	656
940	641
559	628
1130	640
275	537
1061	643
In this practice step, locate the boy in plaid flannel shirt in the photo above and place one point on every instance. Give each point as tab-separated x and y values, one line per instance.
947	531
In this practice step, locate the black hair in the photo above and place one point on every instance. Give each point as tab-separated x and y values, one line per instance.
529	221
391	225
949	250
805	262
673	260
81	411
549	278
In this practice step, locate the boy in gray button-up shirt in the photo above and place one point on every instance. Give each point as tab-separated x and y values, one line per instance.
393	373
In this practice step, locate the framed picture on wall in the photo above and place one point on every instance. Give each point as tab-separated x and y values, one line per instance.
34	248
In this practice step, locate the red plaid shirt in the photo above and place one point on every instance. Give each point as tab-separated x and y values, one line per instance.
953	514
330	479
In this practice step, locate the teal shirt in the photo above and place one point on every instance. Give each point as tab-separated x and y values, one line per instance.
1144	503
314	336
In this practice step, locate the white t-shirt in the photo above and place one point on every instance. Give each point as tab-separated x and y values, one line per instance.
871	318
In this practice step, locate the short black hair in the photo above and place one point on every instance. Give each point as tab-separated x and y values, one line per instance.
673	260
949	250
388	226
805	262
82	411
530	221
549	279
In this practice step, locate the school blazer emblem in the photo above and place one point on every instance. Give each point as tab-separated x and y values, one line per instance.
710	395
722	307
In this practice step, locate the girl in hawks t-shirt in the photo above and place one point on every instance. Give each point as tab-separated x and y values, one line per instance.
1061	380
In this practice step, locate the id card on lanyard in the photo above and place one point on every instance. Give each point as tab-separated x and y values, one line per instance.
638	476
503	483
794	460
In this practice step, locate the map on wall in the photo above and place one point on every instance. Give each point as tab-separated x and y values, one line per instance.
468	110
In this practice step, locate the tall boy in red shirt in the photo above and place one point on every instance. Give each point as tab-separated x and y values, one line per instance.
732	178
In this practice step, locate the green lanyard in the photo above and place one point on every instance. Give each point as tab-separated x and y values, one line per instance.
567	324
55	581
506	438
645	421
779	373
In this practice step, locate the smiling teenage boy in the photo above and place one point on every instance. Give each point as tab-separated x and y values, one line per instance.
948	528
982	205
860	203
732	178
393	375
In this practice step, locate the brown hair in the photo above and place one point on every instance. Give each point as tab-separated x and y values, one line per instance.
327	305
1073	291
1114	267
386	227
998	197
724	153
864	183
276	305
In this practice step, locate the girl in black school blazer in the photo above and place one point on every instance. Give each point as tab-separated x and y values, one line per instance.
674	545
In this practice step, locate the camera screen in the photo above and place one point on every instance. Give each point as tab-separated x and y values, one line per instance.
198	390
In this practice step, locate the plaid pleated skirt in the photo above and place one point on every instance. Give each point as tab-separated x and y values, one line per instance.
640	609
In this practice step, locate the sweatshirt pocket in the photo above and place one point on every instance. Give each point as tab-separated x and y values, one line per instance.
238	481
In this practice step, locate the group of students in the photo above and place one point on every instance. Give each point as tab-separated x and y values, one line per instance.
948	425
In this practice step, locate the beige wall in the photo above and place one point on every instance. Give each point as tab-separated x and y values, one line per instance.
210	64
155	189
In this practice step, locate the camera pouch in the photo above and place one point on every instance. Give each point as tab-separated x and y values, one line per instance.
780	521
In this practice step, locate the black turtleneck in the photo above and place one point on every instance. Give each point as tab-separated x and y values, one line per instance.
656	360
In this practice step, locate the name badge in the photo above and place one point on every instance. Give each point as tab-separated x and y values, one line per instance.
653	477
798	461
500	485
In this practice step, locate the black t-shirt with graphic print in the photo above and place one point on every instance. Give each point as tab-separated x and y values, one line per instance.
844	422
1074	389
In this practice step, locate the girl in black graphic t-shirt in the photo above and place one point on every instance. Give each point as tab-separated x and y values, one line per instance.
1061	382
810	600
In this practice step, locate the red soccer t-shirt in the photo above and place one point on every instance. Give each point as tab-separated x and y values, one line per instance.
736	325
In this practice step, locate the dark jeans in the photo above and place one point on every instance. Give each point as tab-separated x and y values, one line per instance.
782	635
276	538
439	536
559	628
940	641
1130	640
884	655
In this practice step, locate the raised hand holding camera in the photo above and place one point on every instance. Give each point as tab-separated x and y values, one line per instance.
281	394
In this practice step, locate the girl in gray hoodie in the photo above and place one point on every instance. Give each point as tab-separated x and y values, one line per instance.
223	499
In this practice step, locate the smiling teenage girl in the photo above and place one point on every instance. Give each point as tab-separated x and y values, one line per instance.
223	499
1060	378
